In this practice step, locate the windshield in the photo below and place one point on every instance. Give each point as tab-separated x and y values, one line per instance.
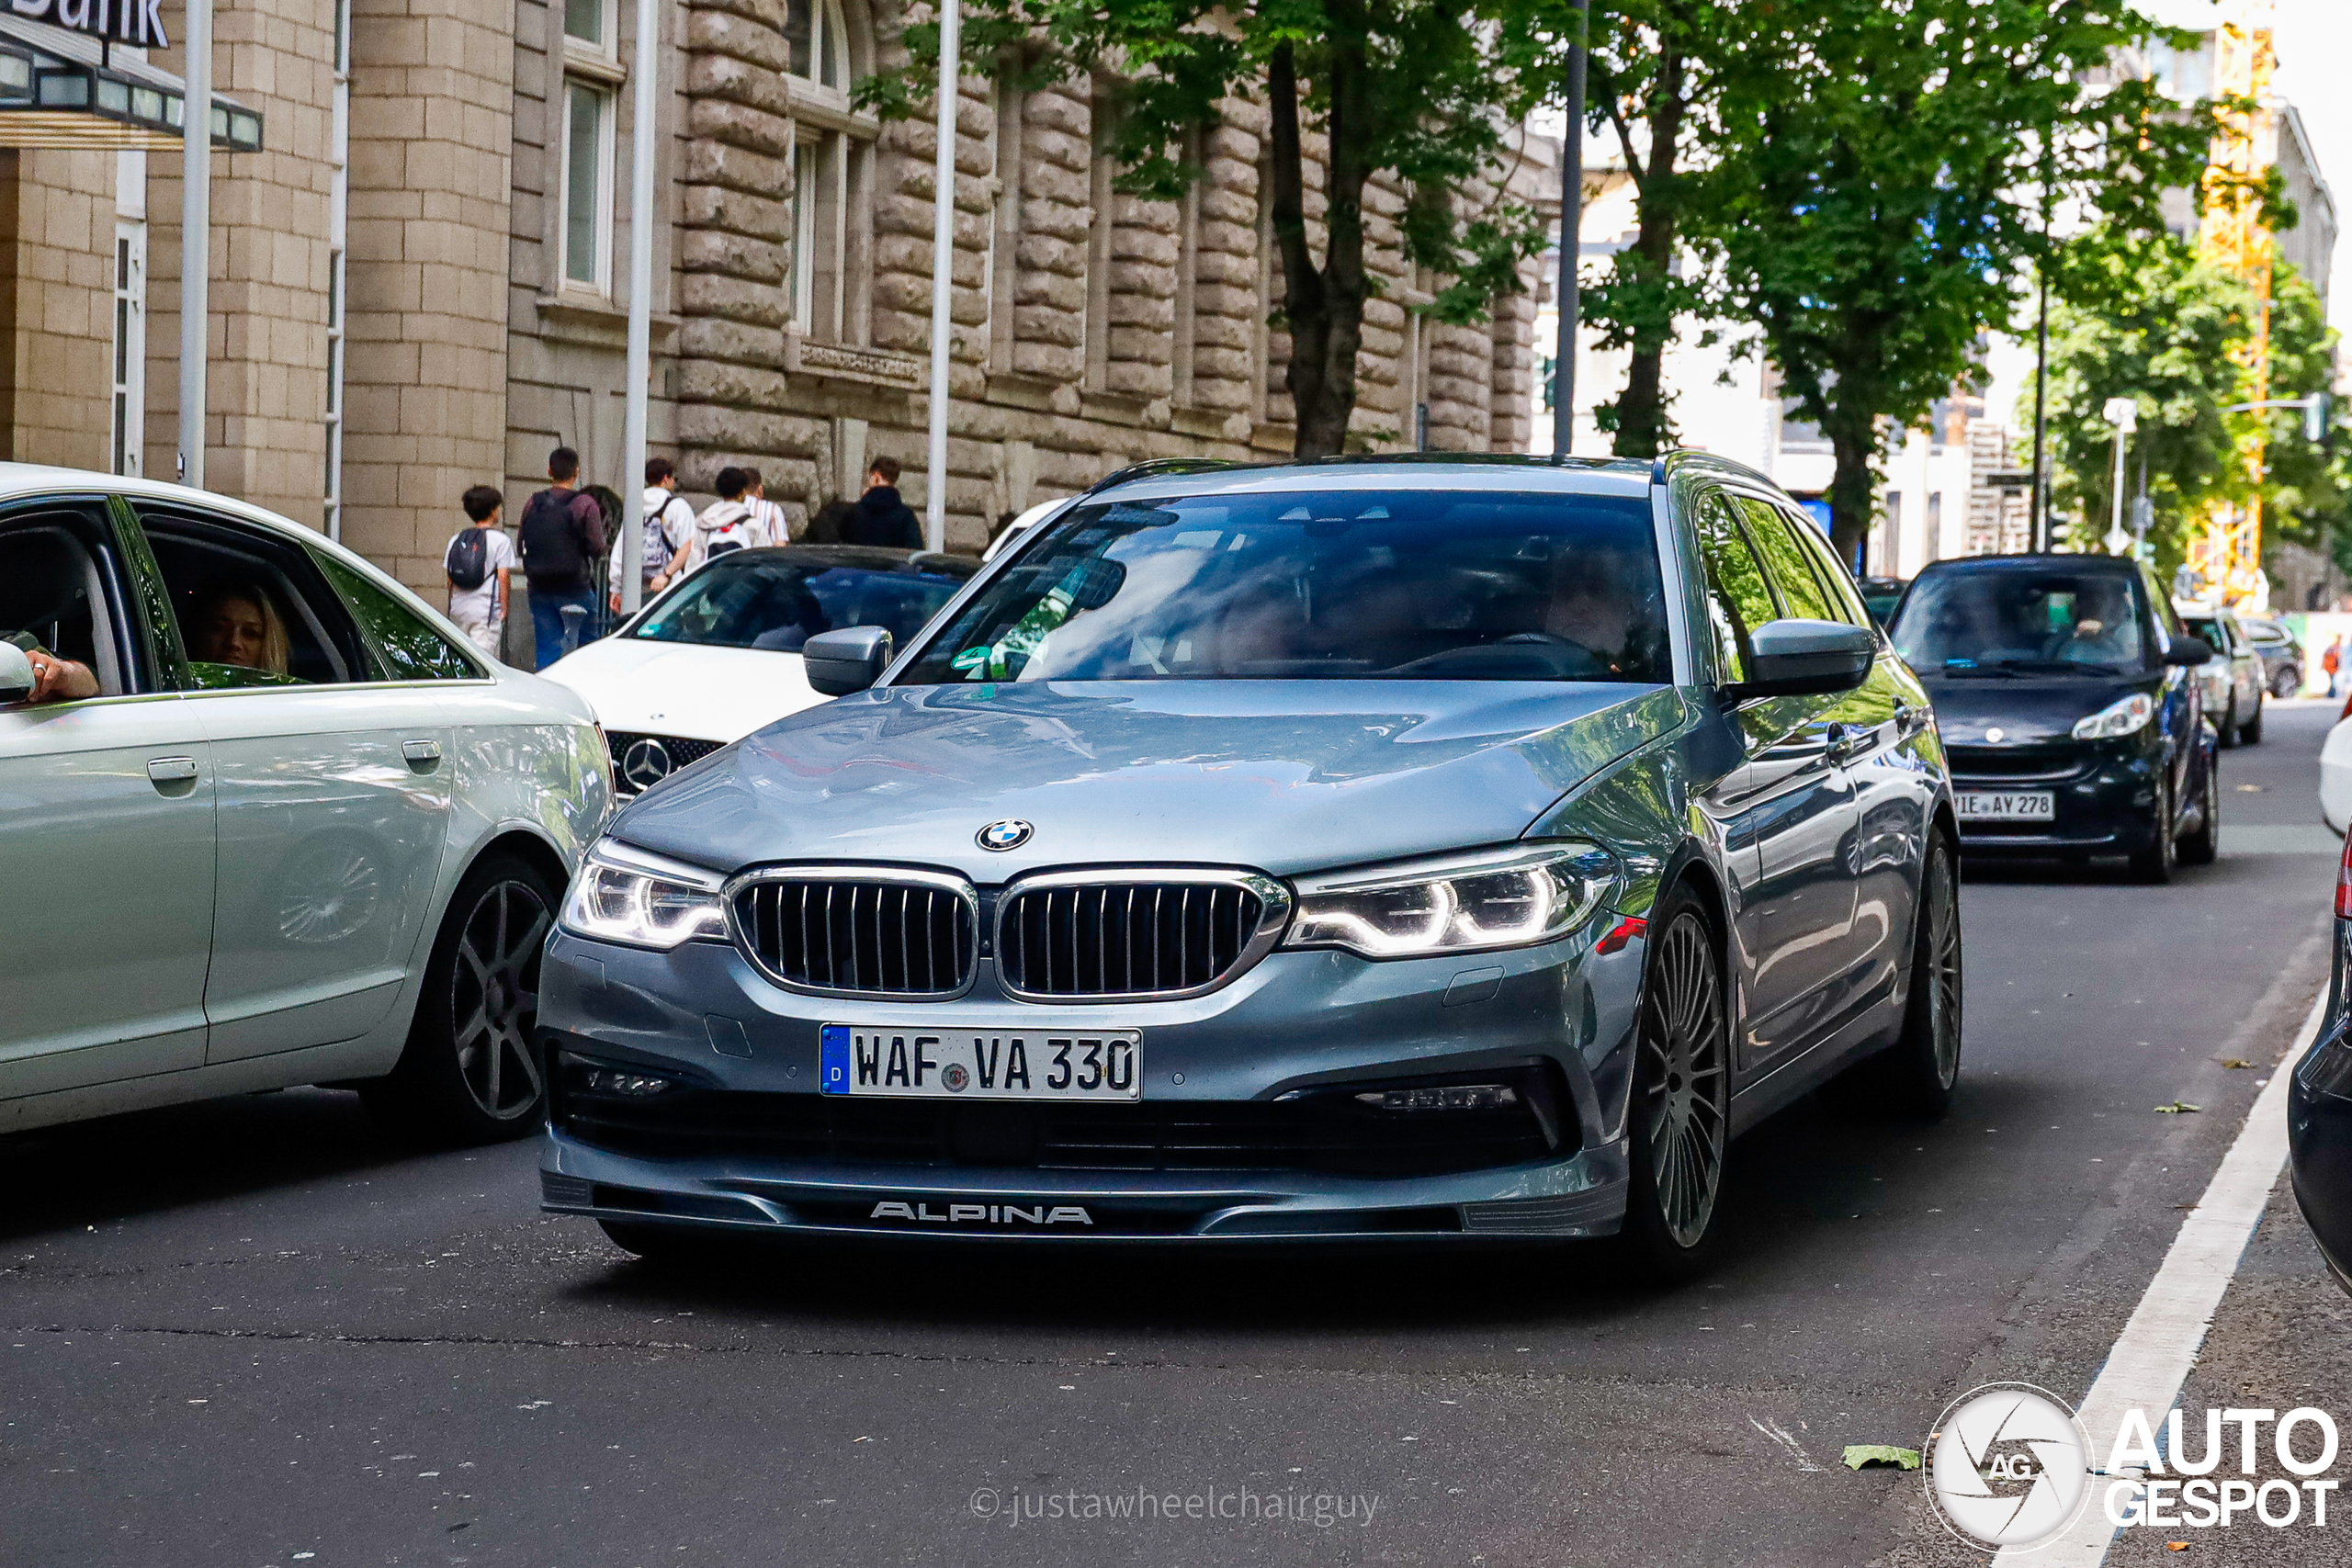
2008	621
1355	585
777	600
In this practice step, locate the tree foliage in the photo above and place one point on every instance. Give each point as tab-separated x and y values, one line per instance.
1881	179
1412	90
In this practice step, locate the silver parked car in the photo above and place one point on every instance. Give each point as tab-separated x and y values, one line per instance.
282	827
1377	848
2234	679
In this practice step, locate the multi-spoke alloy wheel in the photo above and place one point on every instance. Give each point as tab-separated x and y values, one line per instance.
1679	1113
468	1073
1914	1076
494	998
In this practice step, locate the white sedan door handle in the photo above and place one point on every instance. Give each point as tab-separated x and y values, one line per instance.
421	754
171	770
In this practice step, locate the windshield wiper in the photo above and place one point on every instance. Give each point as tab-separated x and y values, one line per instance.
1956	672
2062	666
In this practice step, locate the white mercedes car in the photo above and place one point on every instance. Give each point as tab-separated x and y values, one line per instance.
279	824
718	656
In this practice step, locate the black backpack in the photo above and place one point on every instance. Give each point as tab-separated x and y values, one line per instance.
468	562
548	540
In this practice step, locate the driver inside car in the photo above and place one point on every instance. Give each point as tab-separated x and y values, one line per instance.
55	680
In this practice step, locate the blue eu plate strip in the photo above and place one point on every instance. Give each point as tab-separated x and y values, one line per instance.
832	1075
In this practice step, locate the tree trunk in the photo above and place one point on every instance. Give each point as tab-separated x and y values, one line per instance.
1641	407
1322	306
1853	437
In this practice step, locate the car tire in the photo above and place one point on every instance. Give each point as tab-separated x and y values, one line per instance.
2228	728
2285	683
2154	865
2252	734
1914	1075
1679	1113
2200	847
470	1073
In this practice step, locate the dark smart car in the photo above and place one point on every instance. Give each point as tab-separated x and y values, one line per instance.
2072	724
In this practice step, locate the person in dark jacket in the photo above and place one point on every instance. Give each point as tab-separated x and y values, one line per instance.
882	518
563	531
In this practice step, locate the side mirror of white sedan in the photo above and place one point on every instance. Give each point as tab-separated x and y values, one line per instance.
15	673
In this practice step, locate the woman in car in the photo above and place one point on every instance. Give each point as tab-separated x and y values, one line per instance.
235	624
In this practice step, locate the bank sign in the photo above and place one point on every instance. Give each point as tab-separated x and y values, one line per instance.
137	22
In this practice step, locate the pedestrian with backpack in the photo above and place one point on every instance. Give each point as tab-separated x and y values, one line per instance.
561	533
480	562
669	518
725	525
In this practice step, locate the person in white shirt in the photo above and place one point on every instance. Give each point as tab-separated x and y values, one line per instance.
727	524
768	519
479	561
669	520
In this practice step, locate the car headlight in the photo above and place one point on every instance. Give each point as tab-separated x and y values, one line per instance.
628	895
2116	718
1462	903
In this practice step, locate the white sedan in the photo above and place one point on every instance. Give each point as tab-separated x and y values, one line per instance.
2336	775
281	826
718	655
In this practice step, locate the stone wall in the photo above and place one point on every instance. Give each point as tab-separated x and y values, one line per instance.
57	227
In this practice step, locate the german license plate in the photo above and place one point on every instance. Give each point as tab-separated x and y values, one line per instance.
932	1063
2008	806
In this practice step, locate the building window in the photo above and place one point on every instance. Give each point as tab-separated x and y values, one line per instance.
594	23
831	178
820	41
587	185
130	418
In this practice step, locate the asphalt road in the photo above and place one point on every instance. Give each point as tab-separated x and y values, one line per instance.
255	1333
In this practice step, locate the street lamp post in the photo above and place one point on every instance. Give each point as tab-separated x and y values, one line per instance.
2124	414
1564	365
196	232
640	304
943	257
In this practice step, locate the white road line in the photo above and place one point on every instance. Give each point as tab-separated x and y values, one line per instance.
1789	1444
2151	1358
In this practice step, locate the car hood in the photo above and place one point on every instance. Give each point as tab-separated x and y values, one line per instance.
2027	708
1282	776
683	688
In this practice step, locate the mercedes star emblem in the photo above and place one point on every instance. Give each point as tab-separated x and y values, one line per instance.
646	763
1009	834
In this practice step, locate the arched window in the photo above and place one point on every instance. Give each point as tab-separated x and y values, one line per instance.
833	176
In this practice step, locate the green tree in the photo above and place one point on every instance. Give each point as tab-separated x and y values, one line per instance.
1419	91
2306	491
2141	317
1879	181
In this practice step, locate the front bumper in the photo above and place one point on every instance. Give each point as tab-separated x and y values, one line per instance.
2105	803
1246	1129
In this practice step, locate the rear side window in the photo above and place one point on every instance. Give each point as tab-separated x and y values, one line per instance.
406	644
251	607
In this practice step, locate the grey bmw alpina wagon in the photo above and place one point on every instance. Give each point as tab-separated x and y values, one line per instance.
1400	849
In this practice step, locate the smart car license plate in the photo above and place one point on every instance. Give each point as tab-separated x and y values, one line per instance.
932	1063
2008	806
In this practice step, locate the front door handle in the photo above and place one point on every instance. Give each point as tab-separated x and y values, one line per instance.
422	755
163	771
1841	741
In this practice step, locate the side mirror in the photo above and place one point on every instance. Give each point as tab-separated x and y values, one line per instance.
15	673
2189	652
850	660
1794	658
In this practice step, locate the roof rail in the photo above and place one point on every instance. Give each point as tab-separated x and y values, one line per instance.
1161	466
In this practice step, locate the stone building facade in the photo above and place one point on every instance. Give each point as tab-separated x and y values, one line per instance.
421	284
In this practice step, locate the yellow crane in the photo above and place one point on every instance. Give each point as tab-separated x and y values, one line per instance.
2227	557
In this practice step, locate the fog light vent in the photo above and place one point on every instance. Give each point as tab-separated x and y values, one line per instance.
1446	1096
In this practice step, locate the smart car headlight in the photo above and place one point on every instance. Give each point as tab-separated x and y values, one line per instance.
1510	897
2123	717
625	894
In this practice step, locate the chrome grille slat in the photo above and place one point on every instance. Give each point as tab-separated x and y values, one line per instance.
1137	935
863	935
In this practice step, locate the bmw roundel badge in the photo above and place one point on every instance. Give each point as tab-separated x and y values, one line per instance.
1009	834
